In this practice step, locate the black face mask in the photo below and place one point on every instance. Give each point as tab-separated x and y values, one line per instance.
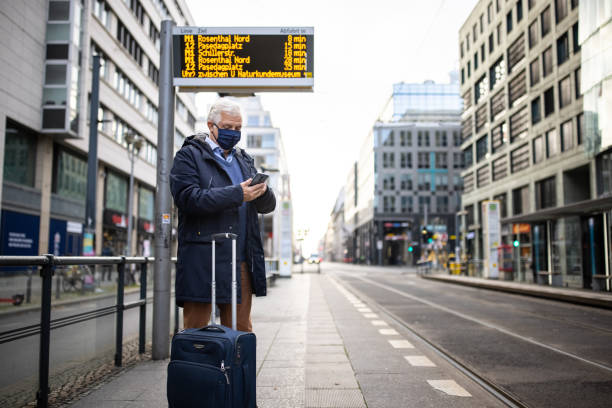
227	138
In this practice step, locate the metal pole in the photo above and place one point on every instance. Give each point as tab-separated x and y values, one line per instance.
92	154
163	215
128	251
142	334
46	274
119	318
234	286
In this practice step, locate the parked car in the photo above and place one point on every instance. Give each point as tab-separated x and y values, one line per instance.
314	259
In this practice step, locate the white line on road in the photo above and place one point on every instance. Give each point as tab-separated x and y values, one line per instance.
370	315
388	332
449	387
359	304
364	310
419	361
378	322
399	344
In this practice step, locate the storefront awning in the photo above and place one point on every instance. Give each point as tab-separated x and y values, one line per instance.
597	205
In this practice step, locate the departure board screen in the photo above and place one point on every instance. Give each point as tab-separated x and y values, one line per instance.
234	59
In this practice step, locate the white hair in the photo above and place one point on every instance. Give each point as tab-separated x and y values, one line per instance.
224	105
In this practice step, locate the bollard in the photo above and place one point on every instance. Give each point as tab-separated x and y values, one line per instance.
142	334
119	319
46	273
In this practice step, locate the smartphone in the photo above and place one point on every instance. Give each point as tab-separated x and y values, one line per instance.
258	179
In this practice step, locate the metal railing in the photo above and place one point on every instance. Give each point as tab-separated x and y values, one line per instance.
47	265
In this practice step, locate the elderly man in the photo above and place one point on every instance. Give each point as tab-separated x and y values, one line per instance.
210	182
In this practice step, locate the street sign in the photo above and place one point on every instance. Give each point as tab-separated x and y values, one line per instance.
243	59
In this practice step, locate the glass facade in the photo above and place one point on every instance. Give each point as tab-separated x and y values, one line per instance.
428	96
19	155
116	192
70	176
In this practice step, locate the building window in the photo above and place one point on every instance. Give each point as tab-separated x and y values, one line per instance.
575	40
388	160
116	192
423	138
545	21
469	70
534	72
574	3
70	176
567	135
461	49
549	102
442	205
424	181
153	73
441	139
509	21
389	182
519	10
500	167
137	9
565	92
128	89
577	82
530	4
481	148
538	149
101	10
475	61
533	34
424	204
389	204
604	173
466	128
388	139
491	43
536	111
579	128
546	195
154	35
19	154
519	123
520	200
517	87
441	181
456	138
481	23
560	10
519	158
481	88
423	158
503	204
406	182
462	76
497	72
405	138
516	52
499	137
406	204
468	157
547	64
474	33
441	160
552	143
499	33
406	160
458	160
146	203
129	43
498	104
482	53
483	176
562	49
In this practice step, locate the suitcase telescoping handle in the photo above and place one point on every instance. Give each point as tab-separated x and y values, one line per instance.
219	237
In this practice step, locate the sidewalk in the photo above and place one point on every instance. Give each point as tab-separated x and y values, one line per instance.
302	360
584	297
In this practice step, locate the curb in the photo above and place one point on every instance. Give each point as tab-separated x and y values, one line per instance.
563	295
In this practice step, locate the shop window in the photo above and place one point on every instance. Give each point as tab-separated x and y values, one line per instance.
116	192
70	175
19	154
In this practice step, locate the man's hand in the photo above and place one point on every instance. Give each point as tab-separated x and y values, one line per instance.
252	192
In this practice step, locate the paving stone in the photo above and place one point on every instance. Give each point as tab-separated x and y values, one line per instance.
351	398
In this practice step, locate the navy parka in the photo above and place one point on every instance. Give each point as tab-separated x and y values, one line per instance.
207	204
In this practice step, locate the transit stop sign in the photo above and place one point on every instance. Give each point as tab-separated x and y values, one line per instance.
243	59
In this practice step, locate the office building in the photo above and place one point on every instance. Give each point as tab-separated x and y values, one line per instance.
524	142
407	177
46	71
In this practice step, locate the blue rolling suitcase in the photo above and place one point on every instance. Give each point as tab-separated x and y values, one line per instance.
213	367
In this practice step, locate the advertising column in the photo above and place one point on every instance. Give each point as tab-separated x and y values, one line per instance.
491	229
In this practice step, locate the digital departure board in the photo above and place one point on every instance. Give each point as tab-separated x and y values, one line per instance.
243	59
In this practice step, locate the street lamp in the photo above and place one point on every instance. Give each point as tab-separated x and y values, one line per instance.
134	143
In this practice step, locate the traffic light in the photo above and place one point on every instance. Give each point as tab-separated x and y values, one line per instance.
516	243
410	248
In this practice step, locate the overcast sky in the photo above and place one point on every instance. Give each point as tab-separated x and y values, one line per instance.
361	49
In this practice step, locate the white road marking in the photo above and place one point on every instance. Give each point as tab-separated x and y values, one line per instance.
401	344
370	315
388	332
378	322
449	387
364	310
419	361
359	305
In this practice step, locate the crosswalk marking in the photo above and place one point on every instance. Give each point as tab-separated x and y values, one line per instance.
364	310
449	387
359	304
370	315
388	332
378	322
401	344
419	361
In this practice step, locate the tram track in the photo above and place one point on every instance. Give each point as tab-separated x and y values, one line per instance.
503	394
